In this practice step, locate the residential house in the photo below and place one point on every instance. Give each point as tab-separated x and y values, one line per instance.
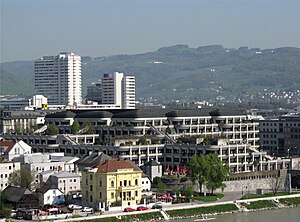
50	194
21	197
11	149
65	181
6	169
114	183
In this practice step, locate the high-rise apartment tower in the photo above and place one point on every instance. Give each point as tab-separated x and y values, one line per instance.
59	78
118	89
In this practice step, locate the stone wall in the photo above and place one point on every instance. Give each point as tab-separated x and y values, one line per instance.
250	183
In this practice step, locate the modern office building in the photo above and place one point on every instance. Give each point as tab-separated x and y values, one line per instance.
118	89
128	92
280	136
94	93
59	78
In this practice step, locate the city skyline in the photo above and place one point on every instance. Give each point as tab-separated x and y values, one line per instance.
103	28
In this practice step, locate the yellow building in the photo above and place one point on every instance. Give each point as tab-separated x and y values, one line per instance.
116	182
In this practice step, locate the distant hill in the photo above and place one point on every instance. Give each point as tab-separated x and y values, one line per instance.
10	84
181	72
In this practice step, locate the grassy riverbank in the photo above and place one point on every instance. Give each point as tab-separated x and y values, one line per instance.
260	204
290	201
155	216
202	210
105	219
254	196
209	198
198	211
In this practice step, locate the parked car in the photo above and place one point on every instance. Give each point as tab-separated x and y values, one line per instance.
74	207
156	206
87	209
129	209
142	208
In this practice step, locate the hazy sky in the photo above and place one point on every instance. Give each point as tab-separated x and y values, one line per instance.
31	29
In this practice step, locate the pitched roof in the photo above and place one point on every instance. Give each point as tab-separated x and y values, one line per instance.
14	194
62	114
92	160
113	165
44	187
9	144
63	174
152	162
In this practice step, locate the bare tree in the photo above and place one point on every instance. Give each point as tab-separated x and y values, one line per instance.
275	182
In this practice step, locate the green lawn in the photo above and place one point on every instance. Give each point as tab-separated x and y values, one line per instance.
209	198
106	219
142	217
253	196
202	210
259	204
290	201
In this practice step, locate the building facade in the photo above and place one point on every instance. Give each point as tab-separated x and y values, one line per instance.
118	89
114	183
21	122
65	181
280	136
59	78
6	169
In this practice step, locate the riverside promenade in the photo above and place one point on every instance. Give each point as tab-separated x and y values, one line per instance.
234	196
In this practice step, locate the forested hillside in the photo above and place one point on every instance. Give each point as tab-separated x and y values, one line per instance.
183	73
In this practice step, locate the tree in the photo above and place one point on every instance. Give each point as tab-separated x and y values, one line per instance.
208	170
168	130
176	190
208	140
275	182
33	127
157	180
75	127
217	173
161	188
142	140
21	178
188	191
18	128
52	129
5	210
199	166
88	127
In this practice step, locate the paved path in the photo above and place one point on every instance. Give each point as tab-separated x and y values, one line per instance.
230	196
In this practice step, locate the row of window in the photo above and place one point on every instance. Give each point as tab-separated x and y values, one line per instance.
5	175
281	124
271	136
70	188
71	180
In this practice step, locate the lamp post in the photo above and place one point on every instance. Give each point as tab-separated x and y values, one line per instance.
243	189
144	196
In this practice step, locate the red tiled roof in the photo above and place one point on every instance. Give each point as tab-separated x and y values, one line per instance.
113	165
9	144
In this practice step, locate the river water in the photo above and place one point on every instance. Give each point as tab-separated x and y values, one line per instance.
280	215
